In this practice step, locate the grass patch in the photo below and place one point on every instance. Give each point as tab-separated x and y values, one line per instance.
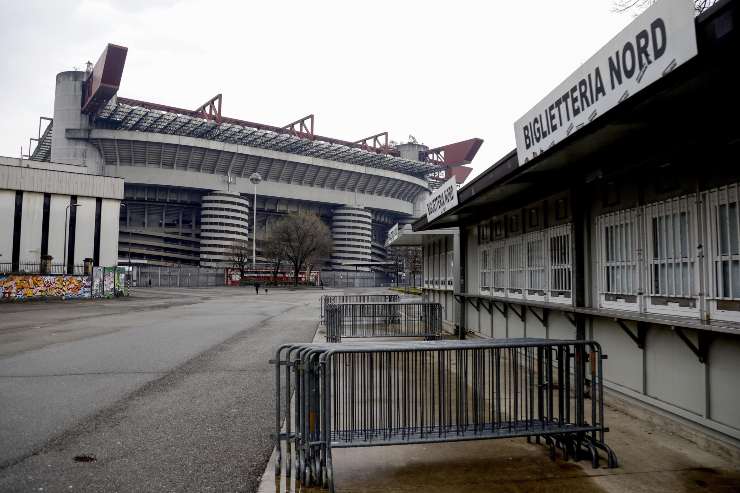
407	290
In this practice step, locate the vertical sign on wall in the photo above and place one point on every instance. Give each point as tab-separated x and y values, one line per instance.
442	200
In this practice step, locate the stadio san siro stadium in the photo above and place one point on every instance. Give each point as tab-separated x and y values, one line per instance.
187	190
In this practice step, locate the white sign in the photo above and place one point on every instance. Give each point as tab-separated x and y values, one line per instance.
392	235
442	200
655	43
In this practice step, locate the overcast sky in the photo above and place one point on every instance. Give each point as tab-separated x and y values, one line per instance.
440	71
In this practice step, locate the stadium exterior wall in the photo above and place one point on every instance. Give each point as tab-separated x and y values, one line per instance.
169	179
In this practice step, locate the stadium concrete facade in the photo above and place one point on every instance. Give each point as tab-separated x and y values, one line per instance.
181	167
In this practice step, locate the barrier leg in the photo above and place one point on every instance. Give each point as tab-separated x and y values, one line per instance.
329	470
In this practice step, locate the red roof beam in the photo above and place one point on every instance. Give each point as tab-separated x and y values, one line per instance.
211	109
459	153
375	143
460	173
235	121
302	127
105	78
453	157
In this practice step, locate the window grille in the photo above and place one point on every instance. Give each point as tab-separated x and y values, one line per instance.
484	269
440	269
618	252
450	268
435	269
535	262
427	272
560	259
532	265
517	265
671	240
498	266
724	242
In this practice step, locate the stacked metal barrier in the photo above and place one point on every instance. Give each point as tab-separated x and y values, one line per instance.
390	393
368	320
356	298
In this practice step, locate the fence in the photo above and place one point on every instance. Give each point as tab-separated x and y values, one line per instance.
383	320
35	268
356	279
368	394
356	298
176	277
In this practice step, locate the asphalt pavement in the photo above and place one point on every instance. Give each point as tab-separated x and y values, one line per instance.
167	391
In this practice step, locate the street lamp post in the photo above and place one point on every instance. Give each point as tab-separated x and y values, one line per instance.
255	178
66	227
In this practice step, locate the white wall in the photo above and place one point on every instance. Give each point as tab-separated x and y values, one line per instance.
500	328
724	368
674	373
485	322
624	365
57	209
31	222
109	214
7	214
85	230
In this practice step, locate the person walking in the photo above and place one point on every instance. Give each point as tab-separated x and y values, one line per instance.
257	287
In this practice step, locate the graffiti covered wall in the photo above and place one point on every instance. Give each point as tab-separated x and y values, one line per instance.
21	287
109	282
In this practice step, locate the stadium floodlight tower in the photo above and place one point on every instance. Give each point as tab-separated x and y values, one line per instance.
255	178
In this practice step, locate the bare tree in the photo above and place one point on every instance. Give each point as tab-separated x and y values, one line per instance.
407	259
274	252
304	239
396	256
239	256
637	6
414	262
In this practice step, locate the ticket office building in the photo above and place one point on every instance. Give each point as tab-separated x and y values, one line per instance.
628	233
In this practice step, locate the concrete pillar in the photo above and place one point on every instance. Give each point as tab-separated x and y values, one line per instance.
68	115
45	266
420	208
411	150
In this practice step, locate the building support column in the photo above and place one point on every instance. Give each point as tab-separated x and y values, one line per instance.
460	256
580	258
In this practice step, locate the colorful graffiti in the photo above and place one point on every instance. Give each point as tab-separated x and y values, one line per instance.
97	283
105	282
108	282
19	287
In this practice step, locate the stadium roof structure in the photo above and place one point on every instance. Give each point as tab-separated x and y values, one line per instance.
108	111
127	114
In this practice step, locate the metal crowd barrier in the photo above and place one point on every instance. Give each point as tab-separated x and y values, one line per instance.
367	394
356	298
383	320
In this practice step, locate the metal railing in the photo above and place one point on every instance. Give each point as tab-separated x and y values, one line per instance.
154	276
367	320
356	298
35	268
391	393
357	279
